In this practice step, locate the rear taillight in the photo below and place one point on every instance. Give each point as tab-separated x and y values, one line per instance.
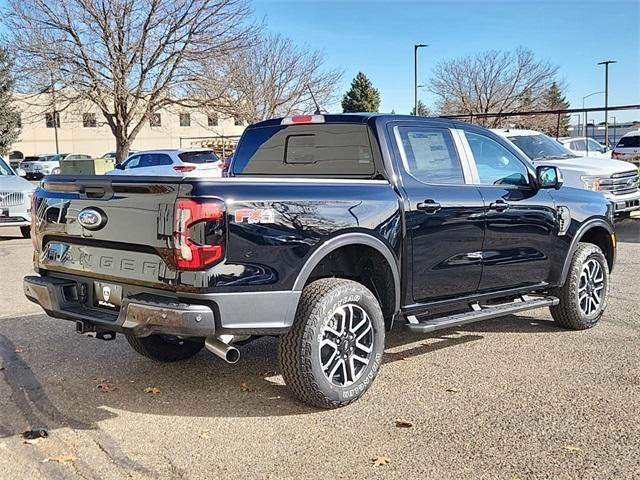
184	168
198	239
615	155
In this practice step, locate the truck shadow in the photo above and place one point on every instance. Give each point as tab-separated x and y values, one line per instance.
60	379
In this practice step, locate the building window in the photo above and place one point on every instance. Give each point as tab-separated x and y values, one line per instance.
185	119
212	120
89	120
155	120
49	118
237	121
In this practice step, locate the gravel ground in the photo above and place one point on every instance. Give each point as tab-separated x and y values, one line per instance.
510	398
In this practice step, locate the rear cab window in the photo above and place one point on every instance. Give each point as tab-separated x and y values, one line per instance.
632	141
310	150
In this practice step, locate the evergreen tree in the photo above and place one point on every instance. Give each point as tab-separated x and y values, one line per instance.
362	97
10	127
423	111
553	99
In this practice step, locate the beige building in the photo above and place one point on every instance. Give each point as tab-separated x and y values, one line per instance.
84	130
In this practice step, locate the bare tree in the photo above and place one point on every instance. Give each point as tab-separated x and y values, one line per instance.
491	82
271	78
129	58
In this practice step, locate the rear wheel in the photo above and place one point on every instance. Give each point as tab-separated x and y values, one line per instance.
333	351
583	297
26	232
165	348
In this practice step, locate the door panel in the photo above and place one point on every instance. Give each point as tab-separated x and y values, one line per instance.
521	222
444	214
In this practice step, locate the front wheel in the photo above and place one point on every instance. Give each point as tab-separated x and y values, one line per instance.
583	297
333	351
55	171
165	348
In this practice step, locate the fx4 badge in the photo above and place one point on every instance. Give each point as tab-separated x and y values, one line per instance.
255	215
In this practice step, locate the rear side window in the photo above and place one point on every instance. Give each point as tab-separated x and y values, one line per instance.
305	150
198	157
632	141
430	155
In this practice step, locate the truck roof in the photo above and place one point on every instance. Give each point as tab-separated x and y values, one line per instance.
360	117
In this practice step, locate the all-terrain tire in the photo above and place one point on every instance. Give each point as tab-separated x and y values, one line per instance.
164	348
26	232
300	351
568	312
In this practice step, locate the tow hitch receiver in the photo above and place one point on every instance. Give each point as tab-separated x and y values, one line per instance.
85	328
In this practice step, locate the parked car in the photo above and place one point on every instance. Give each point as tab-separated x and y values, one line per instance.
113	155
15	199
38	166
586	147
160	163
628	148
330	229
617	181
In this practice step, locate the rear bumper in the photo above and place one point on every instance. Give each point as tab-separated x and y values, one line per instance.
148	313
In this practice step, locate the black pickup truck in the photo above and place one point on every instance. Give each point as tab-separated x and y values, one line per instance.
326	231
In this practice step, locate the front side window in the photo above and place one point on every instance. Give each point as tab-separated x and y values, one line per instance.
132	162
496	165
430	155
4	168
595	146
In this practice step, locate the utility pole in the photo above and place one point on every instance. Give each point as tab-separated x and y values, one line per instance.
606	99
415	75
54	115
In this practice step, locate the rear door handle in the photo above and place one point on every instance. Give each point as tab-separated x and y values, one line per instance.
429	206
499	206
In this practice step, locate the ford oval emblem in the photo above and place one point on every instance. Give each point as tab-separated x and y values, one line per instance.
92	218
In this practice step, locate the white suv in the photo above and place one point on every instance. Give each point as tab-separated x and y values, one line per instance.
166	163
628	148
617	181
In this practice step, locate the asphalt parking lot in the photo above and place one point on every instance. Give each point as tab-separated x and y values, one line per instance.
511	398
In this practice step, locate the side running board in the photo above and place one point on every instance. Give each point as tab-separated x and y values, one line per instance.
479	313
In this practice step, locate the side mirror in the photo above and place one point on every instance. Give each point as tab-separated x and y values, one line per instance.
549	177
119	166
20	172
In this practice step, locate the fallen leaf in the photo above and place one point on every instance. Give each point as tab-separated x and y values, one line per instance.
453	390
269	373
19	349
64	458
571	448
380	460
205	435
103	384
403	423
35	433
153	390
247	388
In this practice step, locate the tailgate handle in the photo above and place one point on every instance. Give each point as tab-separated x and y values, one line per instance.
95	190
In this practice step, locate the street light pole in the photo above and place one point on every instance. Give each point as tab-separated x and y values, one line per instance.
606	99
415	76
585	120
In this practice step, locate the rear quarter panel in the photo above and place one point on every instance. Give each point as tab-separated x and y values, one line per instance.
305	213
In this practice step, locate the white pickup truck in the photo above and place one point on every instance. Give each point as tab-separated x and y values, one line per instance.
615	179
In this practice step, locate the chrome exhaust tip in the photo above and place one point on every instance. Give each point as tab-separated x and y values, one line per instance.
228	353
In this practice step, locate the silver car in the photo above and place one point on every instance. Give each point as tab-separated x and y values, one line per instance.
38	166
15	200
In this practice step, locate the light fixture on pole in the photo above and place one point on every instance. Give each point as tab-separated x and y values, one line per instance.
585	118
606	99
415	75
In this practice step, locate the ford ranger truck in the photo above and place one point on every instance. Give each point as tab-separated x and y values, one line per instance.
328	230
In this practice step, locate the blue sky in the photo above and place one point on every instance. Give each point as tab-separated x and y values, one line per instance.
377	37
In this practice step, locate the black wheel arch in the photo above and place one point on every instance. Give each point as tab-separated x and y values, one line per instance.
597	231
355	239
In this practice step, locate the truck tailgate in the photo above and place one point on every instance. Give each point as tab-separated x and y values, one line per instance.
112	228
